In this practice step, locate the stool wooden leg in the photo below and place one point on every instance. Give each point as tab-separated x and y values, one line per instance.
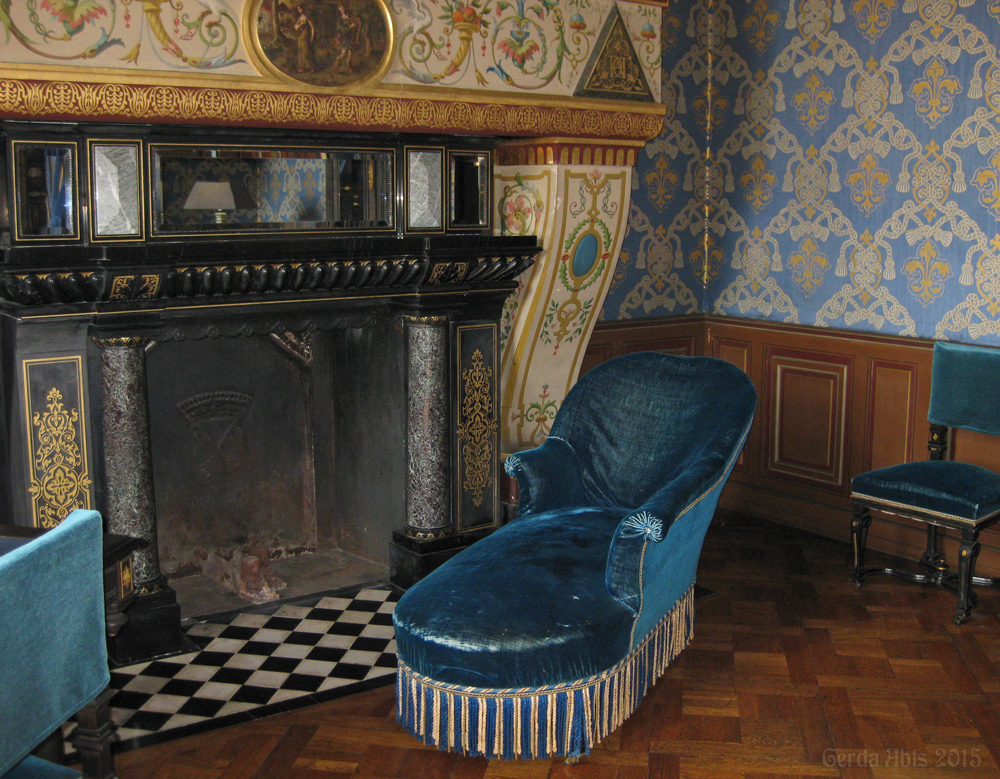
933	559
860	522
966	567
93	737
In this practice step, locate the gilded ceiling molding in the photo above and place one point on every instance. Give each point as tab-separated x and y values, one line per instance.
26	98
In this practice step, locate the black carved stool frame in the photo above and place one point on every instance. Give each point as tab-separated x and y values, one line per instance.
932	567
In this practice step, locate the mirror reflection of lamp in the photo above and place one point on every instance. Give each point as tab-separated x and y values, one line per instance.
220	197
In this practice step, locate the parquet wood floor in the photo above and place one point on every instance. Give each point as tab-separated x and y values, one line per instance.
792	672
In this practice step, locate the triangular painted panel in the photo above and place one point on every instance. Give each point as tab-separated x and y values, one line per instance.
614	70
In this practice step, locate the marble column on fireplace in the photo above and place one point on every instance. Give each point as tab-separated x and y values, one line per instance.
575	197
428	493
128	463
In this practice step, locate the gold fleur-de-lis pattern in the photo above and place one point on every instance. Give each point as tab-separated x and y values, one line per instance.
825	162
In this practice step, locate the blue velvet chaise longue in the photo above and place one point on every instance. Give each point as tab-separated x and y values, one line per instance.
542	638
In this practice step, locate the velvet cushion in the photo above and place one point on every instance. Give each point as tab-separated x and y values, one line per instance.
954	489
524	607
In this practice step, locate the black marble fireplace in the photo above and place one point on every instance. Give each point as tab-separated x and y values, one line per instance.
262	385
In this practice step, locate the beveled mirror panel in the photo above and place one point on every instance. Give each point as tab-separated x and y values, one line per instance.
115	190
45	190
212	189
424	189
469	177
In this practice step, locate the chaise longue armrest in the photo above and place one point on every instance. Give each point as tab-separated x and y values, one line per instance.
548	477
676	503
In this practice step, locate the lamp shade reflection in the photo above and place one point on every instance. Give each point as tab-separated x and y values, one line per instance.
218	196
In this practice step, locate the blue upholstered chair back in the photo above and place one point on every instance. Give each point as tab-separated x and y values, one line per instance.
964	382
665	411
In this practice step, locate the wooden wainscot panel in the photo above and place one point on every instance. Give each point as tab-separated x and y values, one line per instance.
807	412
598	351
681	335
684	346
733	351
977	448
892	414
739	353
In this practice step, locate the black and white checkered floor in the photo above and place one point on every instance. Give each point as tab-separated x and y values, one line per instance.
251	665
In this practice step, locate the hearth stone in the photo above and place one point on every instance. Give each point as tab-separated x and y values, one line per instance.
322	571
249	575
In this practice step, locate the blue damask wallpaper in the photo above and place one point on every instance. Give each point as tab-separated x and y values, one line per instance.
823	162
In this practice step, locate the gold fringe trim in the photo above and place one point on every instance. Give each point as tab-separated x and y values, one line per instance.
608	699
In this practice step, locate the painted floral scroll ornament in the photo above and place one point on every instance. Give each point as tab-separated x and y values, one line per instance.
65	30
521	208
532	44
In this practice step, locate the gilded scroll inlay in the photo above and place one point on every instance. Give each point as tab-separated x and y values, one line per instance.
59	478
477	428
126	584
122	342
439	273
141	287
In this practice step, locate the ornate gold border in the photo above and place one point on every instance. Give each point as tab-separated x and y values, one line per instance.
477	432
262	63
383	111
58	428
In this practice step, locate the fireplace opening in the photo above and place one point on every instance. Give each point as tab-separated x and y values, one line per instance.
273	459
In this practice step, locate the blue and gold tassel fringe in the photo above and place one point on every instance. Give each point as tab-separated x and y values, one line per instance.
563	720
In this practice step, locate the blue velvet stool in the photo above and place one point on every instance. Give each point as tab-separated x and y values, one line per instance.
53	646
542	638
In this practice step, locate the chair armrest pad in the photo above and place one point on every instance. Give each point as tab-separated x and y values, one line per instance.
652	521
548	477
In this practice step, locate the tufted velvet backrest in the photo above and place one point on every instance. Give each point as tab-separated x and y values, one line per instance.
637	421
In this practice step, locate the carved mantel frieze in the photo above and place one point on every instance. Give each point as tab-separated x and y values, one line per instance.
337	269
385	110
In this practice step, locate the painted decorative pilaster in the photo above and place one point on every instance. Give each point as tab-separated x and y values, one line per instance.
56	427
127	459
428	495
575	198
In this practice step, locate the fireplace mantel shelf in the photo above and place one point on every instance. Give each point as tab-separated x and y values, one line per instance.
225	273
